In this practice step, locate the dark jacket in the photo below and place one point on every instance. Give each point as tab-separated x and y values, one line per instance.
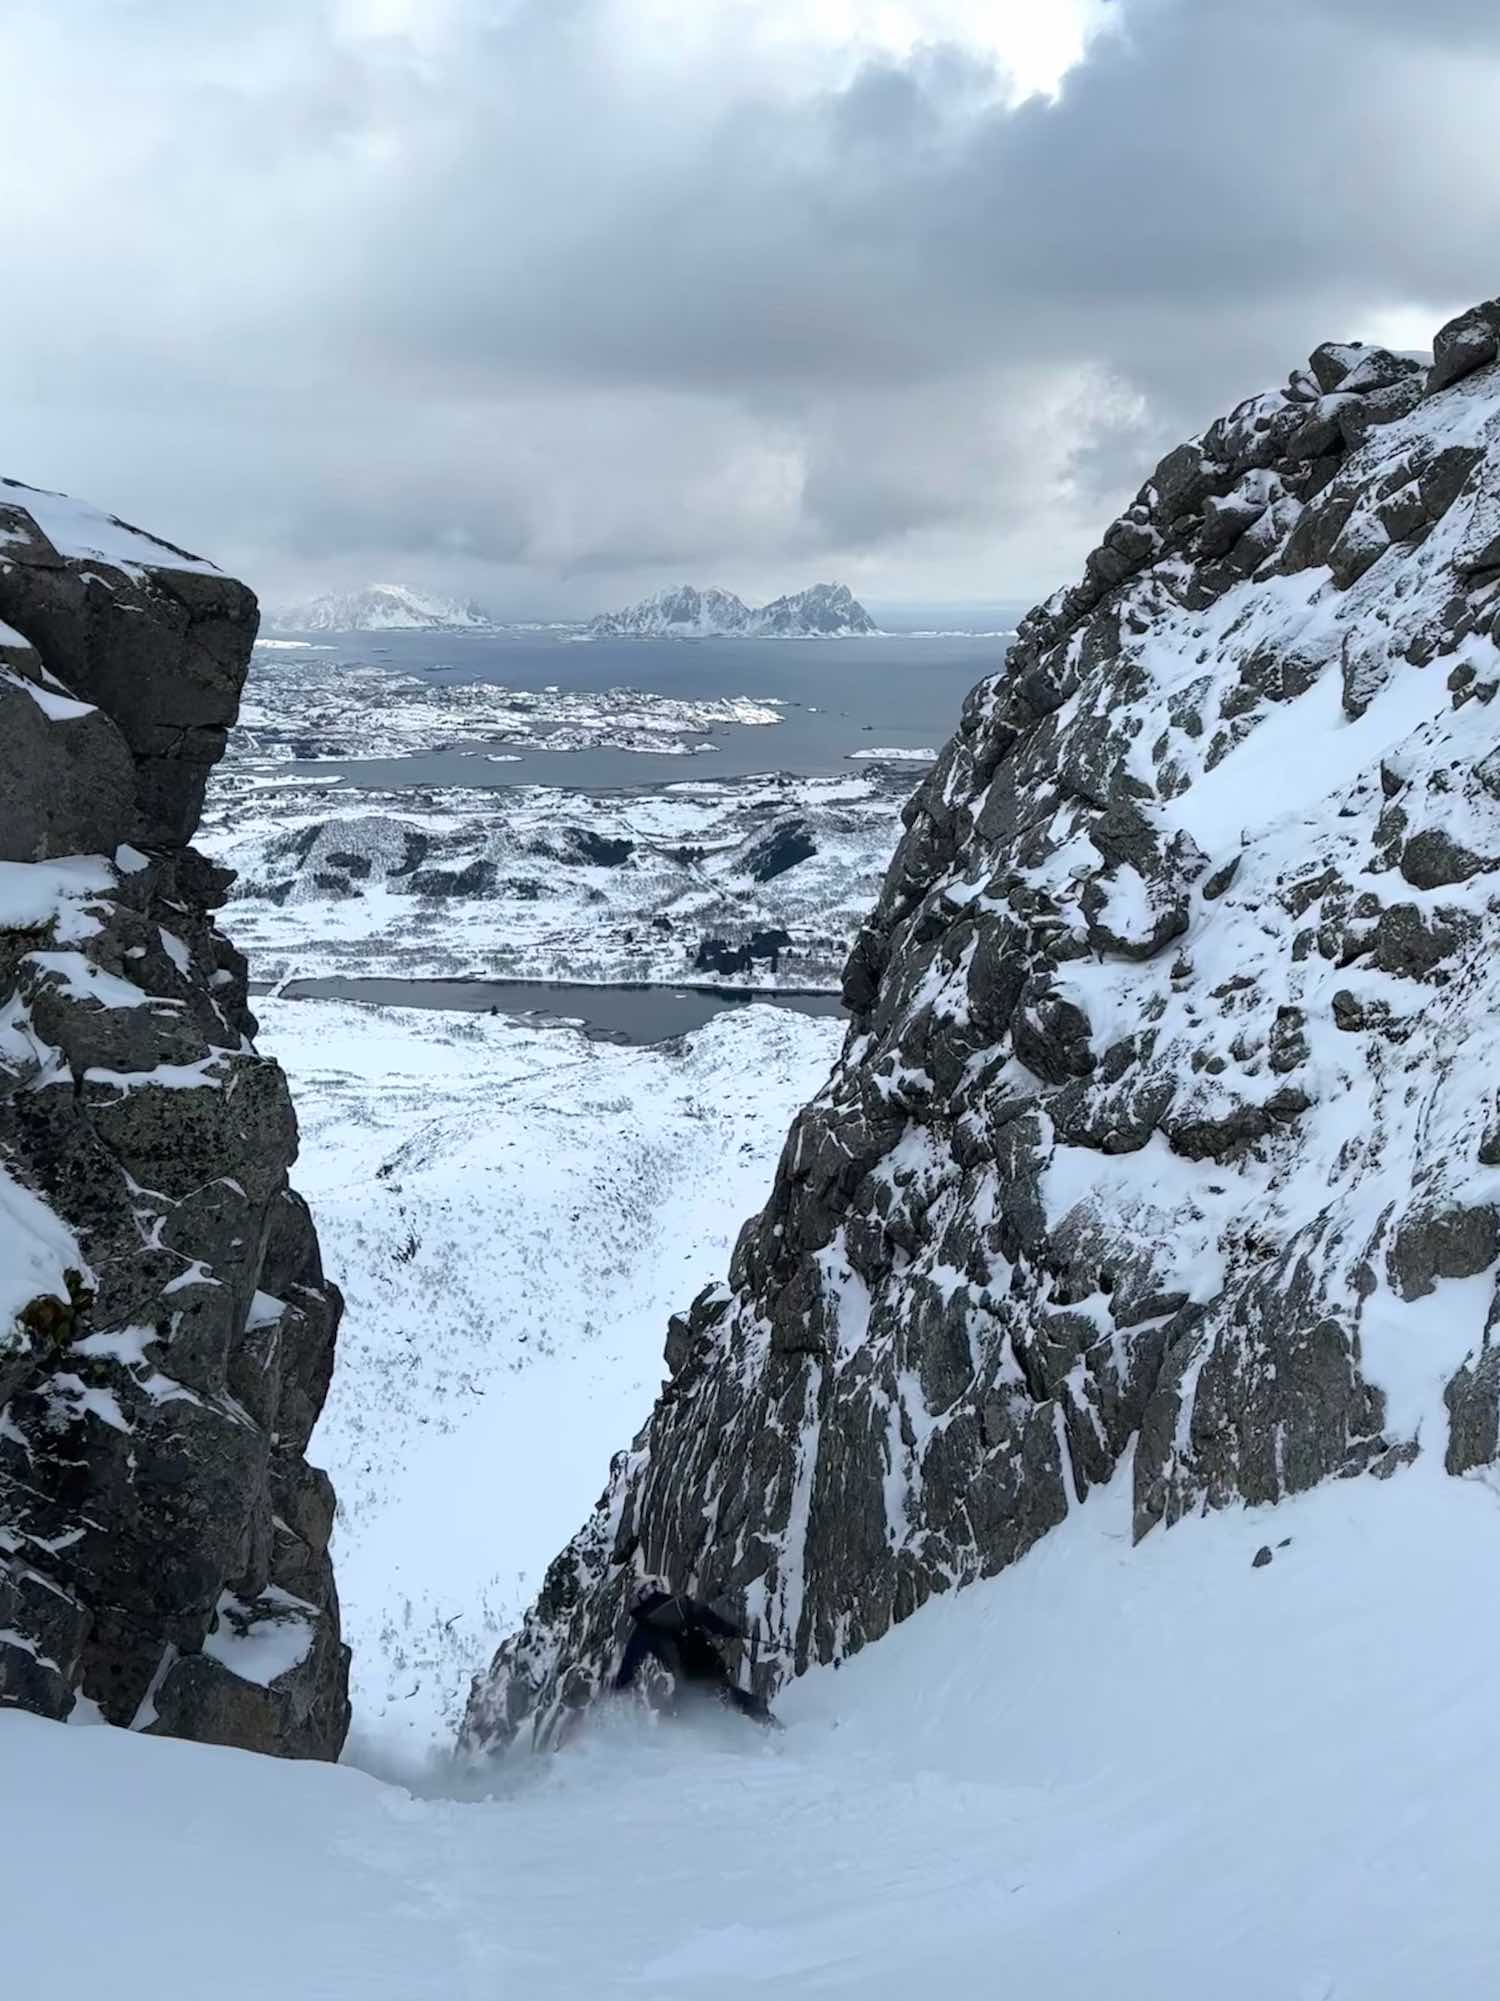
678	1633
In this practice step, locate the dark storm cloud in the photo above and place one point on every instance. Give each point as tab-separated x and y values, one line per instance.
509	305
1212	166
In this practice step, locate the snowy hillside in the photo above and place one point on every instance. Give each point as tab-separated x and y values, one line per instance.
762	882
1156	1774
513	1213
825	611
1166	1129
380	608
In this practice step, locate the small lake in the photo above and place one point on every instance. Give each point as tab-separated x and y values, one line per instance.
607	1014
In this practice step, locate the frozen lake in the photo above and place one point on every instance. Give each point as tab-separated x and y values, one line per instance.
639	1014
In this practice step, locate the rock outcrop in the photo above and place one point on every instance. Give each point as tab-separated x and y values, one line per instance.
1165	1141
166	1333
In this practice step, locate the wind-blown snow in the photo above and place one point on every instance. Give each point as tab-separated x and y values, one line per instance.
1153	1774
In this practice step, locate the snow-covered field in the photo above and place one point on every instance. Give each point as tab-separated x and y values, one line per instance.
1159	1774
543	883
513	1213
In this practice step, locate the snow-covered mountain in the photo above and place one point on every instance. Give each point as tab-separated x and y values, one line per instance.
1158	1182
1164	1146
380	608
825	611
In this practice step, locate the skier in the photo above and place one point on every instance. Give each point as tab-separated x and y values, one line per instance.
678	1633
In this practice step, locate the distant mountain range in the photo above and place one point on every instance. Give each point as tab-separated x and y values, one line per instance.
826	611
380	608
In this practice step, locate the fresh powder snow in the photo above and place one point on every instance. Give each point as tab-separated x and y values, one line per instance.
1154	1773
513	1212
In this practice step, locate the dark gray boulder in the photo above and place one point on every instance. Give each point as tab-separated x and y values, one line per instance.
1466	343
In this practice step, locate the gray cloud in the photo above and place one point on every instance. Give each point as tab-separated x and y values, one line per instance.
510	309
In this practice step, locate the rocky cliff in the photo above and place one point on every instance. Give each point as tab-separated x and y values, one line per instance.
166	1333
1165	1138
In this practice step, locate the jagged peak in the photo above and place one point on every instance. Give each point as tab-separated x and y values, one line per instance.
821	611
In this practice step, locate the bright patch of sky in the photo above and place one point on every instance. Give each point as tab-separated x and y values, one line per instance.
1034	44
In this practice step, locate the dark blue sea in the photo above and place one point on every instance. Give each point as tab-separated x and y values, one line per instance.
902	691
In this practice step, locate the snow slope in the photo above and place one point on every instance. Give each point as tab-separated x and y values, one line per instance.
81	532
513	1212
1156	1774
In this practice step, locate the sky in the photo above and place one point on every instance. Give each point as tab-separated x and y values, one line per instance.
555	302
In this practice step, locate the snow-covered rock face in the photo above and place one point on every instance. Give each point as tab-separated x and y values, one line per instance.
380	608
825	611
1167	1121
165	1333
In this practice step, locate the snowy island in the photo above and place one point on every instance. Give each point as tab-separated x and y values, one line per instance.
825	611
380	608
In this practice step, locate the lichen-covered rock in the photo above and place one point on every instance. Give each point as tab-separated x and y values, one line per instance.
165	1328
1163	1142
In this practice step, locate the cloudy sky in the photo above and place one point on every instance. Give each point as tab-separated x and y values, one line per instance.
555	301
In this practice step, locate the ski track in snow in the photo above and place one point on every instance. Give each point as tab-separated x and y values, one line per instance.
1157	1774
513	1212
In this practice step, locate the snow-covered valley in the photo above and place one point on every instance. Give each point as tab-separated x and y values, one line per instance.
1095	1439
755	880
758	882
512	1212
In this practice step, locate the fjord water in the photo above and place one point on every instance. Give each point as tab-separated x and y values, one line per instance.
899	691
